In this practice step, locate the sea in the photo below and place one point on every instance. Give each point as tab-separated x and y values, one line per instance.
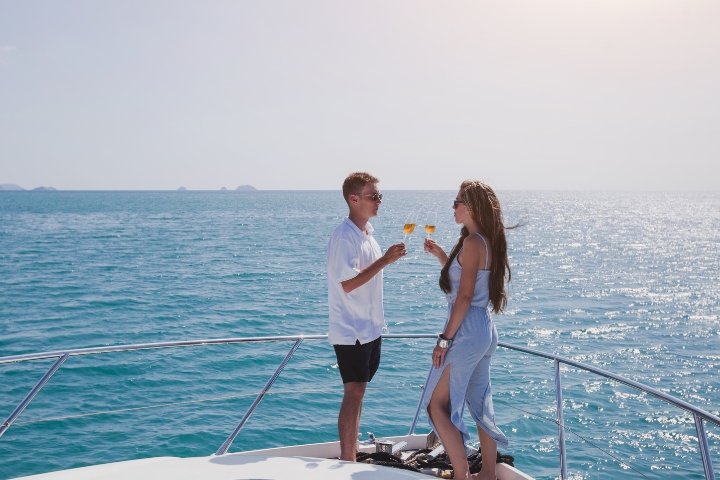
625	281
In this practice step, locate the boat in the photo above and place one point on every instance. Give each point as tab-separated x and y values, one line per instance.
320	460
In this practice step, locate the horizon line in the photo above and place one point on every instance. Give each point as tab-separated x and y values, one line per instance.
339	190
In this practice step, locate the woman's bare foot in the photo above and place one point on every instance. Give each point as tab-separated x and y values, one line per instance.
483	475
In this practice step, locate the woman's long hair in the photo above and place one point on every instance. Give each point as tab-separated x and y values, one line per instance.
484	209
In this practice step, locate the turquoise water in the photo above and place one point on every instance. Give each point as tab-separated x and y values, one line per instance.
625	281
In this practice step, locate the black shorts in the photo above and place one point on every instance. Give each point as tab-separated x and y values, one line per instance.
358	363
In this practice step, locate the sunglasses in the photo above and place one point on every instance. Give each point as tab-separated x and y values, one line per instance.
373	196
457	202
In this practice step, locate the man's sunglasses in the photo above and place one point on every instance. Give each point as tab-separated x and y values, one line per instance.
373	196
457	202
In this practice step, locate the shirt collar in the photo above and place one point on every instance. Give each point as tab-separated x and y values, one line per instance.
359	232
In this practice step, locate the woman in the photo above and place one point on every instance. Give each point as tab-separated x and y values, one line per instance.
472	276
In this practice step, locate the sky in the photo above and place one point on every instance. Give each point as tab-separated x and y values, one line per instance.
551	95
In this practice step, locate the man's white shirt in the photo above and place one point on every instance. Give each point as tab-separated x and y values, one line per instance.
357	315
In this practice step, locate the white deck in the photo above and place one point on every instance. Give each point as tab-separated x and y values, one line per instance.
232	467
311	462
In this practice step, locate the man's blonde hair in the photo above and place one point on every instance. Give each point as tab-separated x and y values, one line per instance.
355	182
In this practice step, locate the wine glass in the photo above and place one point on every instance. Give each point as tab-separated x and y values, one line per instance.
409	225
430	222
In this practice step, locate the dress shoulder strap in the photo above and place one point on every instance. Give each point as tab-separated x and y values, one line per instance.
486	249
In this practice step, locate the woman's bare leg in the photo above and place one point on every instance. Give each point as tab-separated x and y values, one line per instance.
439	411
488	448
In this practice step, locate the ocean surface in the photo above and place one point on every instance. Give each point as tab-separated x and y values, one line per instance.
629	282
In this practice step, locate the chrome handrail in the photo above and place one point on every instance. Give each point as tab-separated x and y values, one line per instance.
29	397
699	414
560	421
619	378
420	402
226	445
148	346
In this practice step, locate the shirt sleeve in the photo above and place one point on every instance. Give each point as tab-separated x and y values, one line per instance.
343	261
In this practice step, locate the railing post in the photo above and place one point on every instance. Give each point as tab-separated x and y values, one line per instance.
704	448
560	422
29	397
422	397
226	445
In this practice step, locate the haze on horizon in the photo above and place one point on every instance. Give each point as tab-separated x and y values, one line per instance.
126	95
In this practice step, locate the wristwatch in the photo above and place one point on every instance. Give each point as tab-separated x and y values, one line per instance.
443	342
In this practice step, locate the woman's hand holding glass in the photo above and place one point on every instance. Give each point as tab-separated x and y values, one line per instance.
432	247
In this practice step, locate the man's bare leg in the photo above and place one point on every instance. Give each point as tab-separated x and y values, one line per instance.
349	419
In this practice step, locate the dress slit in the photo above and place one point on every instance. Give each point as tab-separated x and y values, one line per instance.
469	375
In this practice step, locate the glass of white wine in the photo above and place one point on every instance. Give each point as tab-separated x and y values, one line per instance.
430	223
409	225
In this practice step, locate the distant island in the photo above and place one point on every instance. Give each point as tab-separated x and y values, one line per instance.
241	188
11	187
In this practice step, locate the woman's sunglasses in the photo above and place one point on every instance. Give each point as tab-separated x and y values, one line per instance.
457	202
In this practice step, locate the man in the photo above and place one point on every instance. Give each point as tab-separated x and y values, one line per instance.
355	301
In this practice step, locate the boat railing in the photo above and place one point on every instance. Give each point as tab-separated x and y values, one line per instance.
700	416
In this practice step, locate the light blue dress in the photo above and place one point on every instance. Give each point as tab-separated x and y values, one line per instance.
469	359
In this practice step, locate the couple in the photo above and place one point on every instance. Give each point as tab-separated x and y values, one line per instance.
472	276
